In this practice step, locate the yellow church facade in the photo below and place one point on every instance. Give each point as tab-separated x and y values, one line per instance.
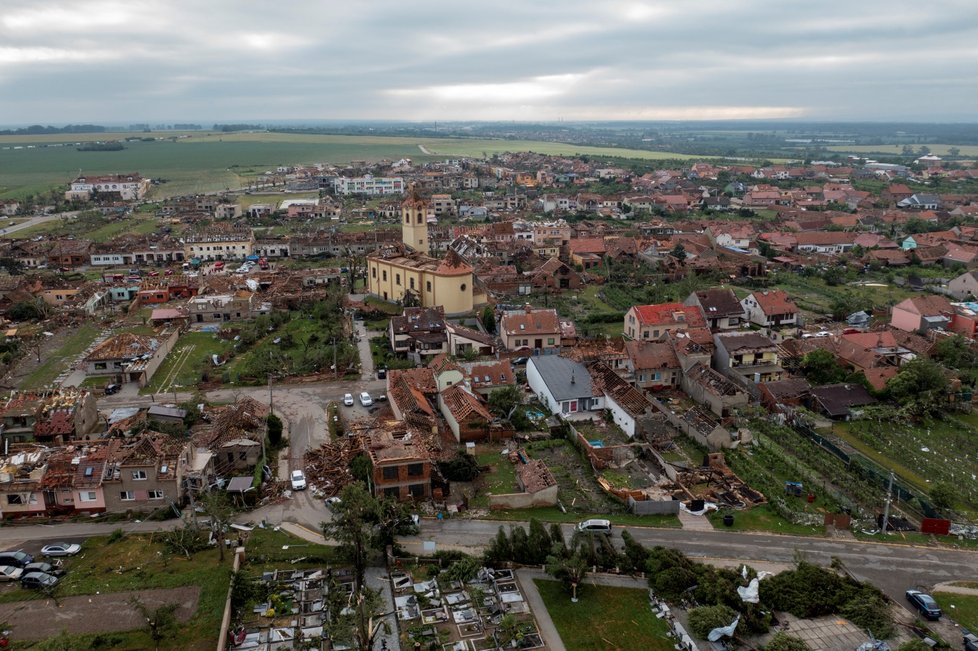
396	271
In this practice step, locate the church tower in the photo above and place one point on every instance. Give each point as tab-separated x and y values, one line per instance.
414	221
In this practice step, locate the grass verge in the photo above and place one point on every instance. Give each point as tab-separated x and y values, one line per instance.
604	617
962	608
56	362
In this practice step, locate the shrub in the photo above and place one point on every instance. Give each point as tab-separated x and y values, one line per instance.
785	642
275	429
704	619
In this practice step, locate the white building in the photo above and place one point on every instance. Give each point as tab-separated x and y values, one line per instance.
563	385
369	185
129	187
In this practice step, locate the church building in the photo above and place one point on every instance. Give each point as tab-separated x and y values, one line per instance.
407	273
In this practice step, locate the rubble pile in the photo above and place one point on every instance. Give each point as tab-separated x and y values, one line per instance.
328	466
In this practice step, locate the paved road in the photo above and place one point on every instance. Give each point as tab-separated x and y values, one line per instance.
34	221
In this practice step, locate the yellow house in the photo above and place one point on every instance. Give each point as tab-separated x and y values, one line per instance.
395	272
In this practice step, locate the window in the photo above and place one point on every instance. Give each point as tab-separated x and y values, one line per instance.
87	496
550	341
411	283
373	272
14	499
155	494
139	475
393	491
390	472
415	470
462	287
397	279
428	285
127	496
384	275
416	490
100	366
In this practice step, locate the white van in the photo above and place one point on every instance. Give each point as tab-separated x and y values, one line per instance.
595	526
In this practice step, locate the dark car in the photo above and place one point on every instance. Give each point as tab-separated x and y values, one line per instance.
520	361
46	568
970	642
925	604
38	581
381	373
111	389
17	558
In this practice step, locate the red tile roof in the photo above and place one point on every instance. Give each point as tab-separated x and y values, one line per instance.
666	314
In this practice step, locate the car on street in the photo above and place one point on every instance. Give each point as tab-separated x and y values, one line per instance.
970	642
925	604
47	568
365	399
298	479
38	581
595	526
348	399
10	573
333	501
381	373
112	388
60	549
520	361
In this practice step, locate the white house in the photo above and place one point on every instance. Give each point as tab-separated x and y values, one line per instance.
563	385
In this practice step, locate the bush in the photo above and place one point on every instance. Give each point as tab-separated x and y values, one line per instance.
871	613
462	467
275	429
704	619
785	642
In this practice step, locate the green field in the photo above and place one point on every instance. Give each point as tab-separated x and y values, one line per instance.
74	344
182	367
207	162
95	228
963	609
897	150
604	618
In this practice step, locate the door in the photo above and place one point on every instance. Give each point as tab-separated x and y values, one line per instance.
538	343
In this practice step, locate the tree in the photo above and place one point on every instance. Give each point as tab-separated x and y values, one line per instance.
944	495
160	623
785	642
503	401
953	151
569	569
821	367
540	544
920	387
679	252
352	526
463	570
499	550
489	319
461	467
218	508
275	428
954	352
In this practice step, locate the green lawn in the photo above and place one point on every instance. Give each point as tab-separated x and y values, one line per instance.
53	364
604	618
182	367
763	518
138	562
963	609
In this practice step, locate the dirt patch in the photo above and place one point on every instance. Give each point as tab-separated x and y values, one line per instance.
39	619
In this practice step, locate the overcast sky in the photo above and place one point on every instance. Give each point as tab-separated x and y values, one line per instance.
219	60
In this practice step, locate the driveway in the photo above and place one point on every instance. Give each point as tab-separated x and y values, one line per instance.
43	618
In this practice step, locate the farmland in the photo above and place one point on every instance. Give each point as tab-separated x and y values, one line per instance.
897	150
208	162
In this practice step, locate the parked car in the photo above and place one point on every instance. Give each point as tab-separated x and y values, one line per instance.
970	642
111	389
520	361
60	549
333	501
595	526
365	399
10	573
47	568
298	480
38	581
381	373
381	398
348	399
925	604
18	558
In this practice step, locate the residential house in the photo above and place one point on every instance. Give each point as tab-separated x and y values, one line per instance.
922	313
129	357
921	201
464	341
828	242
965	286
401	466
234	435
839	401
142	474
218	308
562	385
719	306
419	333
749	355
21	477
466	414
554	275
127	187
652	322
711	389
629	408
585	252
537	329
52	418
410	392
771	309
485	377
652	365
219	244
792	392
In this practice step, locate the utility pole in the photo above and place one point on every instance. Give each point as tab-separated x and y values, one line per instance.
336	371
886	509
